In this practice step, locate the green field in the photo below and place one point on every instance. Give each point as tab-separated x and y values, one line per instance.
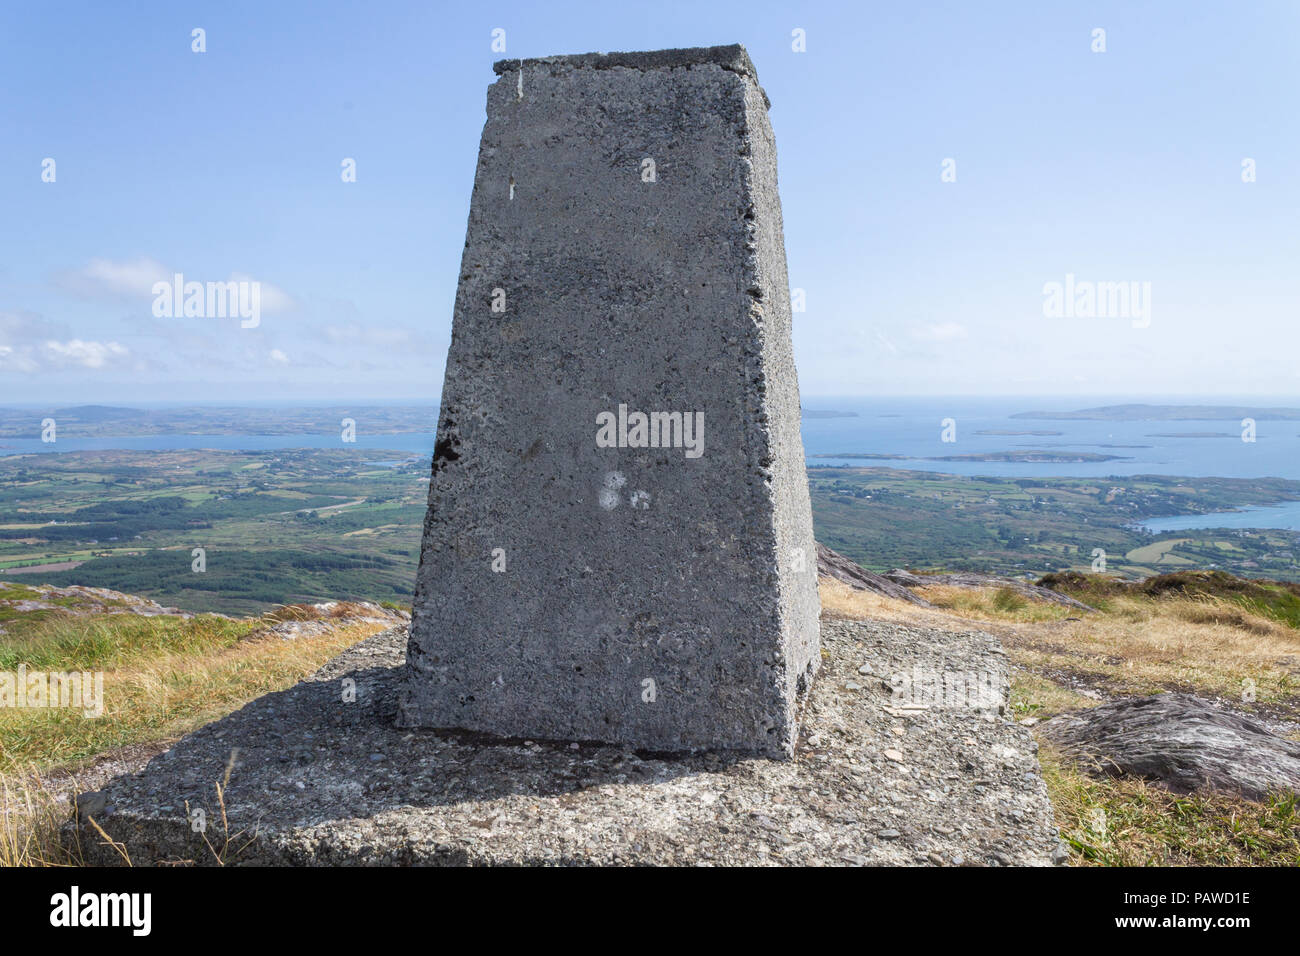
275	527
289	526
886	518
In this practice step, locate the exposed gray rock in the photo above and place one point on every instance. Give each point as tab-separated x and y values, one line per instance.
833	564
896	583
317	619
624	258
970	579
86	601
312	779
1181	741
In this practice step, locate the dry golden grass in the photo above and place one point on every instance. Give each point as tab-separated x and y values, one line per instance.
953	607
164	678
1137	645
839	601
1002	605
309	612
169	694
170	691
1110	822
1041	697
31	815
1142	645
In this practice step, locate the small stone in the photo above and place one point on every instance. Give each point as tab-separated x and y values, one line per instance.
898	730
894	755
89	804
815	740
853	685
864	669
889	834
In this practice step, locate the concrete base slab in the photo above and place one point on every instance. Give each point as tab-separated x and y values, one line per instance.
880	777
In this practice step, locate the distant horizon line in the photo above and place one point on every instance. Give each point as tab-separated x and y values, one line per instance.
805	400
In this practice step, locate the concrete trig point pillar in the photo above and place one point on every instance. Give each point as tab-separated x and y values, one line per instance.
619	541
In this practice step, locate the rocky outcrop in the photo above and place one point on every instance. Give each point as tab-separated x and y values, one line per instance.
296	621
79	601
832	564
897	583
970	579
1181	741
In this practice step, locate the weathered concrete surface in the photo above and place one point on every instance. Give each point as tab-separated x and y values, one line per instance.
1181	741
650	596
879	778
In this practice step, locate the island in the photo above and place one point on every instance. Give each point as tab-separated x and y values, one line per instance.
826	413
1011	431
1034	456
1167	413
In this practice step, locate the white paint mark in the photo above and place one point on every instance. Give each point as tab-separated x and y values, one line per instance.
609	495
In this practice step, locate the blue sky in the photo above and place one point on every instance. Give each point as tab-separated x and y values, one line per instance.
1117	166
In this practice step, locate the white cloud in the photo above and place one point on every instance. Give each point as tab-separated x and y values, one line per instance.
279	357
18	360
273	298
77	352
106	279
133	280
30	343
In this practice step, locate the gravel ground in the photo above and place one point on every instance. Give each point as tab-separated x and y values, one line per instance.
887	772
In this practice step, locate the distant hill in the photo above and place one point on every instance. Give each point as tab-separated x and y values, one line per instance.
1167	413
826	413
102	421
99	413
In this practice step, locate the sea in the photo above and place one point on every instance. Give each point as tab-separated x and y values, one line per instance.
919	431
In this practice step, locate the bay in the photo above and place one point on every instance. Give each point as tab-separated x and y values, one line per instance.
1283	515
910	432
